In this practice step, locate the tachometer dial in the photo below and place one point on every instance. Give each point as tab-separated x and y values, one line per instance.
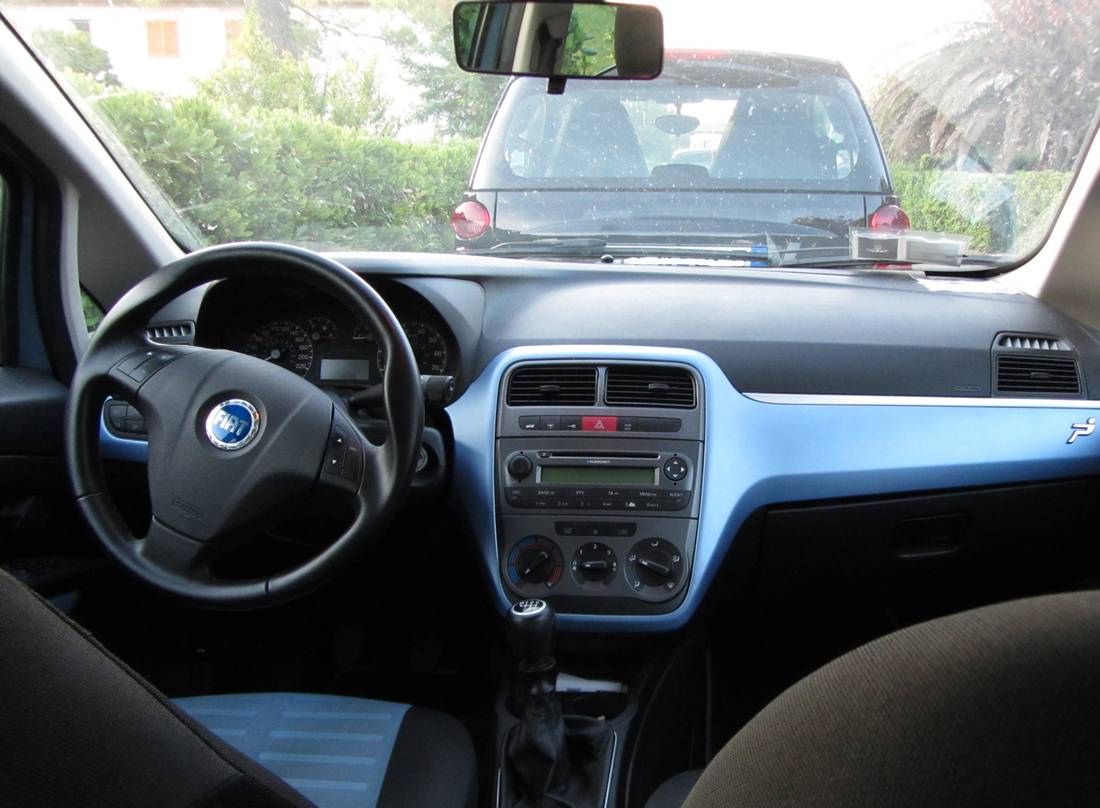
322	329
284	343
429	347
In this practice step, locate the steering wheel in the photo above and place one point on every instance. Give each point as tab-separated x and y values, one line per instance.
235	441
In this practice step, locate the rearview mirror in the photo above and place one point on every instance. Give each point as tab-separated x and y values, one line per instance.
559	40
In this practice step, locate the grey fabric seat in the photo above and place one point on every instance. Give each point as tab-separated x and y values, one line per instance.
82	729
994	707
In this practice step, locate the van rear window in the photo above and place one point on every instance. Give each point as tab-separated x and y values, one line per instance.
813	133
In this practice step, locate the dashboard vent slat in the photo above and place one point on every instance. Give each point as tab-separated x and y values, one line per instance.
1030	342
554	385
181	332
1018	374
650	386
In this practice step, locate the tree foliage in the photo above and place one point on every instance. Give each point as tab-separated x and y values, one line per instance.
460	104
278	174
257	74
1009	93
73	51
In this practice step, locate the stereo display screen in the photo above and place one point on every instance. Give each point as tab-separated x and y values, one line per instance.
598	475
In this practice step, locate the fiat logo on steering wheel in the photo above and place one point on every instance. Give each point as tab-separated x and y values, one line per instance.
233	424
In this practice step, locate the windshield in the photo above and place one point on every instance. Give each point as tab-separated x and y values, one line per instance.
778	134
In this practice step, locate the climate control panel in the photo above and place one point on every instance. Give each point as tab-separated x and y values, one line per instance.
615	560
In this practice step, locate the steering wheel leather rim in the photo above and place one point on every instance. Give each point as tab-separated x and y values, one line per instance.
377	492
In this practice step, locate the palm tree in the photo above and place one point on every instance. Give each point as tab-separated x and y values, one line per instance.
1018	90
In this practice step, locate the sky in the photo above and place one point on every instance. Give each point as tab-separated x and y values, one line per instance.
871	39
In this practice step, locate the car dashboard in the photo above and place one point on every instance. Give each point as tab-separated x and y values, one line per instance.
617	432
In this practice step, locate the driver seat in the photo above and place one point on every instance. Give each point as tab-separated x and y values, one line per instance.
80	728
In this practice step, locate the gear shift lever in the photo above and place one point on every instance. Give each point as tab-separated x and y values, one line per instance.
549	760
530	629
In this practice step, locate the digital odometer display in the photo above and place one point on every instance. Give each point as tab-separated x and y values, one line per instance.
346	370
598	475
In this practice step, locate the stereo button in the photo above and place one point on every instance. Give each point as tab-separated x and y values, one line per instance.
675	469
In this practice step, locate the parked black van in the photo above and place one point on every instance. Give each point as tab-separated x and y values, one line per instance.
755	156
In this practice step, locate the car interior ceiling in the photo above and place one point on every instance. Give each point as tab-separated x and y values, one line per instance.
414	619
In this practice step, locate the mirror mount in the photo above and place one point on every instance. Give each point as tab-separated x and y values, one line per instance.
555	85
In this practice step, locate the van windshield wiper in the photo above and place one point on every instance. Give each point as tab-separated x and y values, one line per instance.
579	246
597	247
594	247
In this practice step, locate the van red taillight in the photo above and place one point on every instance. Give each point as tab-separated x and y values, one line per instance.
470	220
889	217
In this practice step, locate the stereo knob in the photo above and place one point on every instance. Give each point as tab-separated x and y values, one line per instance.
520	467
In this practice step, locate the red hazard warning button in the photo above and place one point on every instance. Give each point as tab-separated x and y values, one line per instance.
599	423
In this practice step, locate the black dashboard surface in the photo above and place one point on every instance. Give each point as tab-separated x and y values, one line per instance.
771	331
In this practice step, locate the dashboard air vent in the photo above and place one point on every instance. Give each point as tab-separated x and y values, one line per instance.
650	386
554	385
174	333
1030	342
1020	375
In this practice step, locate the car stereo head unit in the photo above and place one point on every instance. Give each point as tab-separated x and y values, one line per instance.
549	479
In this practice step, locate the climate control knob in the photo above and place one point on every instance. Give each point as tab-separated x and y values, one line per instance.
535	562
654	564
594	565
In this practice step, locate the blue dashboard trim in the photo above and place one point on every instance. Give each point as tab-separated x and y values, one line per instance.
114	447
759	453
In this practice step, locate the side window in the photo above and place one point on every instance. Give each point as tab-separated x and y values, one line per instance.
93	312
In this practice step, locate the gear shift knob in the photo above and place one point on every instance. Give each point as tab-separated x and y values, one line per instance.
530	628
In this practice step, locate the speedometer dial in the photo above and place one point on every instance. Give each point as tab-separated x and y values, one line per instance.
284	343
429	347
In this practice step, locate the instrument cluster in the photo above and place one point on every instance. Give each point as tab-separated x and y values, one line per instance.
323	342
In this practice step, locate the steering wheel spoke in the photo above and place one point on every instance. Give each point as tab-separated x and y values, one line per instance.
174	552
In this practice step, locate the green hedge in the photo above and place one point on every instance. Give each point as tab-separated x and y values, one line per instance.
1000	212
282	175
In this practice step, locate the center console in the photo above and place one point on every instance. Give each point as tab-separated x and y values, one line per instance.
597	473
